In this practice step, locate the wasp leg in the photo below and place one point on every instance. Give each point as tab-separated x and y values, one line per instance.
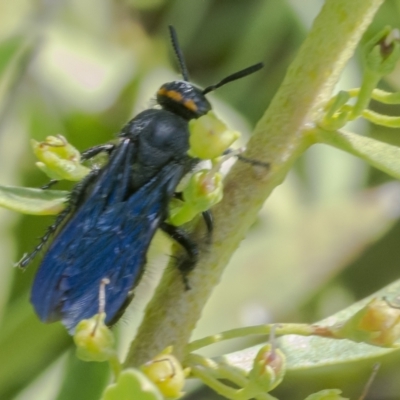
236	153
181	237
86	155
207	217
178	195
49	184
26	259
209	221
93	151
255	163
74	198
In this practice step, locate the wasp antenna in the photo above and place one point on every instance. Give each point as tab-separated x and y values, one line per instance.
178	52
234	77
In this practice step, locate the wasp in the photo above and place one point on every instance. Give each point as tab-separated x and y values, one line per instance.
114	212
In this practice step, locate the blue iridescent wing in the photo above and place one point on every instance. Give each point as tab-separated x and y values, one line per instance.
107	237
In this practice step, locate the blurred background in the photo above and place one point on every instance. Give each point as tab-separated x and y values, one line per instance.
327	237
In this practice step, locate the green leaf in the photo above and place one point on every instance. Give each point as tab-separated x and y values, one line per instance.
314	352
27	347
378	154
83	380
359	218
327	394
14	58
32	201
8	49
132	385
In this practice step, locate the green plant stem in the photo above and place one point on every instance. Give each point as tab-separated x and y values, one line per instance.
115	365
377	94
213	383
233	374
279	139
224	390
369	83
218	370
378	154
383	120
279	330
386	97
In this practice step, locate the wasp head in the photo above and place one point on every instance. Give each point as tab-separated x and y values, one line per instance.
184	99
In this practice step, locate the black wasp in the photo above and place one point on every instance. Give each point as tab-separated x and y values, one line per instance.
114	212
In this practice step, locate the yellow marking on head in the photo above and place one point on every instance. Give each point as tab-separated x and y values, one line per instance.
191	105
174	95
178	97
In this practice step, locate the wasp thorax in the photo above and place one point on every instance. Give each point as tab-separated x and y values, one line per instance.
183	99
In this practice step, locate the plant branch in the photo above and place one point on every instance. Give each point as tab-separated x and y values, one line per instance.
379	154
279	139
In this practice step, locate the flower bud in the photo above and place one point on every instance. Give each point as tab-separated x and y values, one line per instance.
269	368
132	384
382	52
209	137
204	190
377	323
94	340
58	159
166	373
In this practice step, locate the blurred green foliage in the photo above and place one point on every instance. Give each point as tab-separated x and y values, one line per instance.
328	236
